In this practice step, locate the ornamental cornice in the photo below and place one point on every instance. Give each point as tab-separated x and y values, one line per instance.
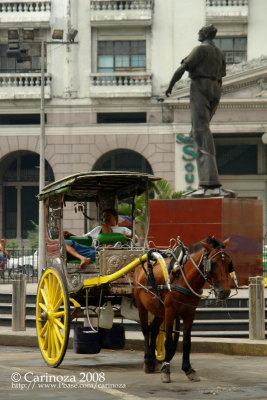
241	85
225	104
227	18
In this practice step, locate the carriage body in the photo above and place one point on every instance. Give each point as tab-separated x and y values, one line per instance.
66	292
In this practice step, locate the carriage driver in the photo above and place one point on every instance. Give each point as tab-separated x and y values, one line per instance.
86	254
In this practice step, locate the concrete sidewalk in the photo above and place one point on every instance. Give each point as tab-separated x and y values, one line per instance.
134	340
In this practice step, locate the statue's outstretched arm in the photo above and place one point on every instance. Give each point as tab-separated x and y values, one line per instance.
176	77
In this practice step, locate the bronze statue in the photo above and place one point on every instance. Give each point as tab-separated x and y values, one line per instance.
206	67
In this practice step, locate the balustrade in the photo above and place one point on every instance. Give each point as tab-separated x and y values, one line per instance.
117	79
25	6
226	3
23	85
98	5
23	80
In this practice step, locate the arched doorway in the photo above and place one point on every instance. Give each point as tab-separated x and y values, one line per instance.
123	160
20	186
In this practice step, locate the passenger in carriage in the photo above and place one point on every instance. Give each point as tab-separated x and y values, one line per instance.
86	254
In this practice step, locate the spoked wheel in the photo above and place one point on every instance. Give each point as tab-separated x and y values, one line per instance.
53	316
160	342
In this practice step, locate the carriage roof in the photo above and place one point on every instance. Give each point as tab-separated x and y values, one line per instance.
86	186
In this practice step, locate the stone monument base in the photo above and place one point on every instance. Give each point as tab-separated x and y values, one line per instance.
195	219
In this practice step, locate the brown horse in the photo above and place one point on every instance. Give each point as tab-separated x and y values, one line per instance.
209	264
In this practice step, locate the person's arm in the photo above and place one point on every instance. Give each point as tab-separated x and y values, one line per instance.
176	77
128	233
6	252
223	69
67	234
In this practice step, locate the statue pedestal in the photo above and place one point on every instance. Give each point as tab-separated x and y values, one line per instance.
195	219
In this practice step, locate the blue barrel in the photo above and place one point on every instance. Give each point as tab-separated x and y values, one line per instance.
86	341
113	338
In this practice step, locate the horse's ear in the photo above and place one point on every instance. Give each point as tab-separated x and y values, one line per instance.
205	245
226	242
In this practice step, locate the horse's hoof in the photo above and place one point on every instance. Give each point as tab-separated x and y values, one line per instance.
165	373
165	378
193	376
149	368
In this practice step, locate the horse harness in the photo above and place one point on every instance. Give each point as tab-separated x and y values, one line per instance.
207	263
179	258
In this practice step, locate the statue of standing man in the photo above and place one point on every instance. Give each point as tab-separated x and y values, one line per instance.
206	67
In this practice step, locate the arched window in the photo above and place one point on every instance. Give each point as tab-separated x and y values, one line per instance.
20	180
123	160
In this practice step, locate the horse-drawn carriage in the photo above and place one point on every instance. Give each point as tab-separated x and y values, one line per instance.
66	292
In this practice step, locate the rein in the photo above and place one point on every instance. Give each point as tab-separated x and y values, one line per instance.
204	260
207	268
201	296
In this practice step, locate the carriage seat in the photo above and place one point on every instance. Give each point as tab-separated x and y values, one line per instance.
106	238
85	240
103	238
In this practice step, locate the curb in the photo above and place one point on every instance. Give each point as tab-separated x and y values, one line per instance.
242	347
209	346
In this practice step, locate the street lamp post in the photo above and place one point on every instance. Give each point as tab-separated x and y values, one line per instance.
41	262
71	36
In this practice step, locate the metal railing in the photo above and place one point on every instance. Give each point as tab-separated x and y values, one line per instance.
23	261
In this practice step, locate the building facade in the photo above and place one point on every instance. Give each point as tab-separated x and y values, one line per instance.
104	87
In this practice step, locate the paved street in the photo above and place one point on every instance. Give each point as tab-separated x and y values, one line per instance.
118	375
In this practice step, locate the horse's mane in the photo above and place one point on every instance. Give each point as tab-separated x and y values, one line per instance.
193	248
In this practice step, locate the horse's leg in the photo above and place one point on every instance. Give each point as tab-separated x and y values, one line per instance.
186	366
154	330
170	348
149	364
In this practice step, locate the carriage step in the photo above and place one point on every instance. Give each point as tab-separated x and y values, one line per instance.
224	313
221	319
225	334
6	308
7	298
221	325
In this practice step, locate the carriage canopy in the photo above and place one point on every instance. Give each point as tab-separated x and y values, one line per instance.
88	185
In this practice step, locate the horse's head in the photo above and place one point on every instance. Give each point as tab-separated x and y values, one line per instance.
217	266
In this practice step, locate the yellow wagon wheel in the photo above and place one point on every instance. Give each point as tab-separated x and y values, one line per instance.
160	341
53	316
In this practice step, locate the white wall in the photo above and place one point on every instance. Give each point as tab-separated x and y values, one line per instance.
71	63
56	53
82	56
174	33
257	28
